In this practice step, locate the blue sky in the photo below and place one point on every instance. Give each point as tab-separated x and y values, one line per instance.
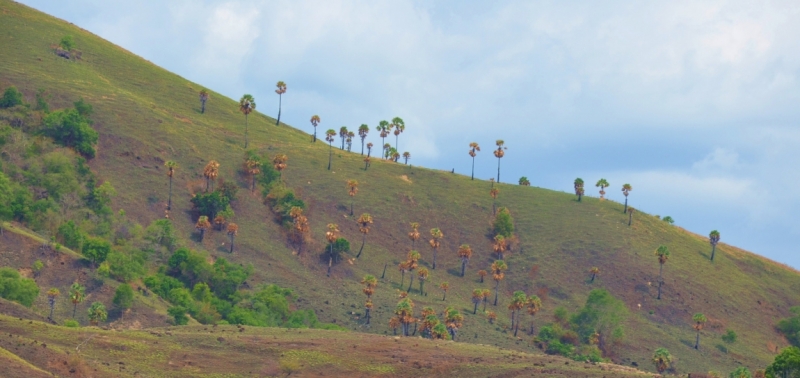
695	104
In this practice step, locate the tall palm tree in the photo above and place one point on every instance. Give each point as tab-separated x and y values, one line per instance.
482	273
394	154
370	283
413	260
52	294
350	136
314	122
399	127
202	225
364	221
499	246
280	91
366	162
631	210
414	234
494	192
444	286
626	189
663	255
662	359
499	153
534	304
329	136
518	301
352	189
464	253
77	293
233	230
405	314
474	148
369	149
363	130
279	163
486	293
210	172
331	235
498	267
435	242
253	169
524	181
246	105
422	275
602	184
713	239
406	156
343	134
453	320
171	166
594	271
203	99
403	268
301	226
477	297
699	321
383	127
579	188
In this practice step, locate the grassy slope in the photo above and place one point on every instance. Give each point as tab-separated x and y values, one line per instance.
146	115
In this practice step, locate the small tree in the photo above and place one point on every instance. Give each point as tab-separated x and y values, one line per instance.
477	297
786	364
464	253
498	269
668	219
77	293
331	235
730	337
329	137
422	274
741	372
233	230
579	188
202	225
203	99
314	122
364	222
247	105
435	242
663	255
474	148
352	190
602	184
52	294
97	313
524	181
631	210
713	239
594	271
626	189
11	97
67	42
662	359
444	286
482	273
280	91
699	321
123	297
37	267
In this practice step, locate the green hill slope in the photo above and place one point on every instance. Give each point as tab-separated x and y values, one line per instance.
146	116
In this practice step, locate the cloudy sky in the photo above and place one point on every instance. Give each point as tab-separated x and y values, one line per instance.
696	104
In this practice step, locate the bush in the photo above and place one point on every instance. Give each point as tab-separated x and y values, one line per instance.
69	128
41	101
71	323
178	313
503	223
67	42
11	97
209	204
70	235
161	232
556	347
790	327
730	336
123	297
125	267
96	249
15	288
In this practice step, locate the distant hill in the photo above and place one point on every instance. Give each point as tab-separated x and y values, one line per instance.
146	116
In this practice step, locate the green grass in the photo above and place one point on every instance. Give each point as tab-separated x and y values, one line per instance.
146	115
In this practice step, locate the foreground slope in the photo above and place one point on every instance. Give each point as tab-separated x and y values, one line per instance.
146	115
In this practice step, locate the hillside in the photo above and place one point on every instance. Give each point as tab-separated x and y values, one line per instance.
146	116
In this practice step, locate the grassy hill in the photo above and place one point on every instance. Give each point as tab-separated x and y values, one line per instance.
146	116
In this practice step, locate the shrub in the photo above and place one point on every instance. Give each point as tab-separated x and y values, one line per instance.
209	204
69	128
71	323
161	232
556	347
125	267
67	42
178	313
790	327
96	249
11	97
730	336
15	288
41	101
123	297
70	235
503	223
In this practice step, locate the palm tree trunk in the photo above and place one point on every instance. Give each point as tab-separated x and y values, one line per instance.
512	320
444	296
411	282
494	206
660	281
496	287
415	329
498	170
280	98
626	205
434	258
516	328
713	249
592	280
169	201
231	243
481	279
697	340
202	234
330	154
351	206
366	165
473	168
475	310
367	315
330	260
364	240
315	134
245	131
402	277
421	287
52	307
202	107
531	333
484	304
74	307
579	197
384	270
395	142
630	218
463	267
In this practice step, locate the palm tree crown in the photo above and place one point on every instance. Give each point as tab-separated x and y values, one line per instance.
314	122
602	184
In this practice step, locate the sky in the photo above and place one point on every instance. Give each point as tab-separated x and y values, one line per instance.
695	104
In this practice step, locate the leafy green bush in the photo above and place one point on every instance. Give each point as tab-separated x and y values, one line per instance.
503	223
556	347
125	267
15	288
70	235
11	97
790	327
281	200
161	233
123	297
96	249
209	204
67	42
730	337
69	128
71	323
178	313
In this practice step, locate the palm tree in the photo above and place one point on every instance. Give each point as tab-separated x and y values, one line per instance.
444	286
384	128
534	305
370	283
663	255
713	239
473	150
435	242
494	192
366	162
394	154
498	267
518	301
486	293
314	122
301	226
402	267
394	322
52	294
202	225
399	127
477	297
453	320
524	181
369	149
219	221
253	169
203	99
464	253
699	320
364	221
280	91
350	136
233	230
279	163
331	235
405	314
662	359
499	246
343	134
387	150
631	210
171	165
406	156
329	136
482	273
414	234
499	153
626	189
602	184
594	271
491	316
77	293
422	274
246	105
411	264
210	172
352	189
363	130
97	313
579	188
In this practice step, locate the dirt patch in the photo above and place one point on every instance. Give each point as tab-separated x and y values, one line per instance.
405	178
